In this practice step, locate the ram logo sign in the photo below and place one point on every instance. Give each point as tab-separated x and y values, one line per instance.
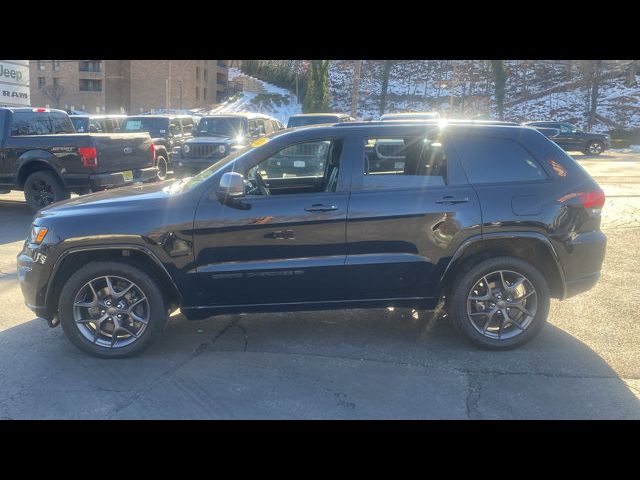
14	83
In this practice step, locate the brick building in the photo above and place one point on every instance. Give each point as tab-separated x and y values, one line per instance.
132	86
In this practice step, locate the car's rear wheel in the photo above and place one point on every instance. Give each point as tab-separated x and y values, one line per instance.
43	188
499	303
111	309
163	167
595	148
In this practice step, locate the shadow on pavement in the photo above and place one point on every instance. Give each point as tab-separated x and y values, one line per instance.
341	364
15	219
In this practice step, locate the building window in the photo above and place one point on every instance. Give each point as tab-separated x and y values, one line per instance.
197	93
55	64
40	65
87	85
222	63
222	79
41	82
204	93
205	74
56	81
90	66
197	73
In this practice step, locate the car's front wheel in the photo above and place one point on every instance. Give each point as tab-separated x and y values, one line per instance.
595	148
111	309
499	303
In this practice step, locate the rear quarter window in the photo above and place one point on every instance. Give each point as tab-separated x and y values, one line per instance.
499	160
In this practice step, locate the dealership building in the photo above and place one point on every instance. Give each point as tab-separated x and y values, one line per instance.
127	86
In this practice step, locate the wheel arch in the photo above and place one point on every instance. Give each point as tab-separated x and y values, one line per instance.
135	255
531	247
32	165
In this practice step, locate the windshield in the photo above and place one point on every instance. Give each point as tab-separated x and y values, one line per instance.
311	120
220	126
146	124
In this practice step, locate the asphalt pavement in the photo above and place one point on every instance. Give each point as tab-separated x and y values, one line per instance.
374	364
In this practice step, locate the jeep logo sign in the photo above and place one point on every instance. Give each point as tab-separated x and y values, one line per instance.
10	73
14	83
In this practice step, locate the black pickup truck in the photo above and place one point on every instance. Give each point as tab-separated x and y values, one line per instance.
41	154
571	138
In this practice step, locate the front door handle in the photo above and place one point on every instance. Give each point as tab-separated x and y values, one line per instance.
450	199
319	207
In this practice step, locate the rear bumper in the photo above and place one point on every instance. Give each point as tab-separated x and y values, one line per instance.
110	179
574	287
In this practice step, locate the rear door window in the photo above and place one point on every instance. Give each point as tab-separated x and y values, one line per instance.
404	162
498	160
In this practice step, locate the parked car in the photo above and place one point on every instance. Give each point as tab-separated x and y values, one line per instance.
305	119
41	154
410	116
571	138
217	136
168	133
495	219
97	123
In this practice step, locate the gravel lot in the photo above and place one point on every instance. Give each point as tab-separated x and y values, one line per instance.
344	364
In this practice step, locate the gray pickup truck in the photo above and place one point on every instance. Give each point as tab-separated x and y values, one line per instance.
42	155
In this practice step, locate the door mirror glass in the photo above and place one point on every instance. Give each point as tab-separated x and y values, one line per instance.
231	186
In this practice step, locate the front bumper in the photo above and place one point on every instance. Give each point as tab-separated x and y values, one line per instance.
33	274
192	166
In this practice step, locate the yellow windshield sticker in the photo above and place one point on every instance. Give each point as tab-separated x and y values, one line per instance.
259	141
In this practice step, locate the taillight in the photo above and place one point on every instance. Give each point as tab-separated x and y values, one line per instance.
593	199
153	152
89	156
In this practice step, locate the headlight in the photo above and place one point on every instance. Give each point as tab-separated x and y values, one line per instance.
222	149
37	234
186	148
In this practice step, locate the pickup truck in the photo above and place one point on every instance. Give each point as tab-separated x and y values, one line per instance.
42	155
570	138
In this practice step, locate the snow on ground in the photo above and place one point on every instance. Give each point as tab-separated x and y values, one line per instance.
251	102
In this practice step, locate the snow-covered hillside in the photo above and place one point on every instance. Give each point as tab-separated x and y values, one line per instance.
541	89
275	101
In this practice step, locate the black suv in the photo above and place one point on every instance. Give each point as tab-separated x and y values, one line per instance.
571	138
168	133
217	136
495	219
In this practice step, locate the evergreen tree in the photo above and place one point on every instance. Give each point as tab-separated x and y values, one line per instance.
316	97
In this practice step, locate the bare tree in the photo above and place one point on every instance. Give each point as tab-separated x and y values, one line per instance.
355	92
632	70
386	71
55	92
591	77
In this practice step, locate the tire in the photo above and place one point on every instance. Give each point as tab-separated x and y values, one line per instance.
82	334
469	315
594	148
42	188
163	167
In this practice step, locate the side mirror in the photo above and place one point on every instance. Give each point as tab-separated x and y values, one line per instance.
231	186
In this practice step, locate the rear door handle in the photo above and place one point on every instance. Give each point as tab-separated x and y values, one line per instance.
319	207
450	199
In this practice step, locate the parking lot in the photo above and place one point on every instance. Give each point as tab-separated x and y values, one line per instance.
344	364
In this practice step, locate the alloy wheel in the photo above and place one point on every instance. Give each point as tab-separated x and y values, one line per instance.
111	311
502	304
595	149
